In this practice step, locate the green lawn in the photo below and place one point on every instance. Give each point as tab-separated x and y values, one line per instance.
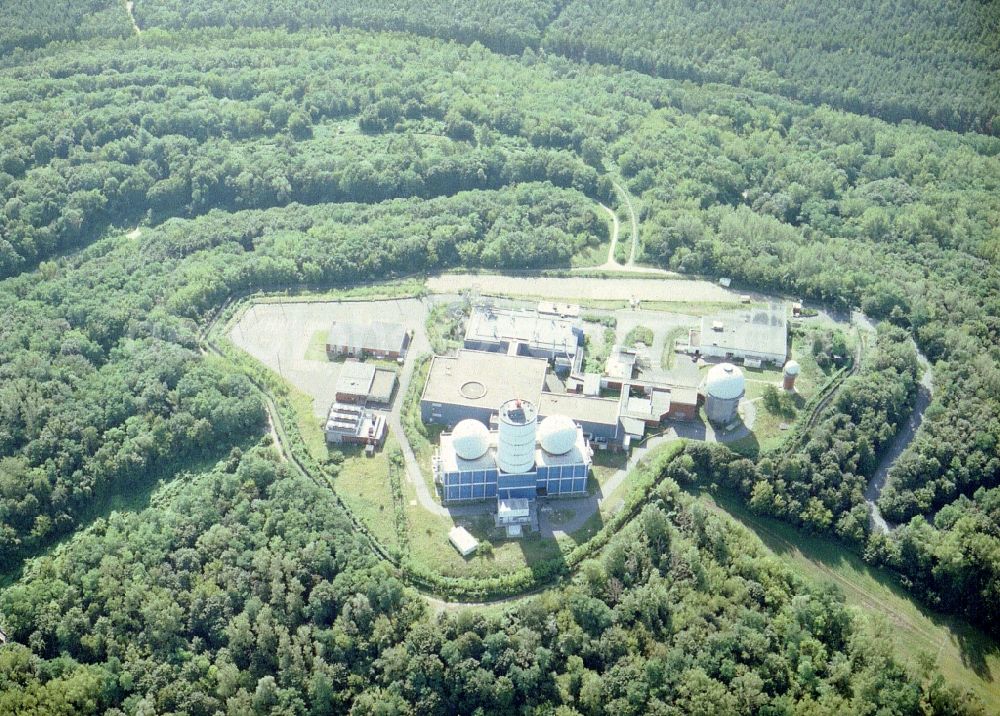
966	656
316	350
667	359
592	255
363	485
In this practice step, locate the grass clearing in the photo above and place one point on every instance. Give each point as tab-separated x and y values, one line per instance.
669	346
363	484
967	657
309	425
316	350
592	255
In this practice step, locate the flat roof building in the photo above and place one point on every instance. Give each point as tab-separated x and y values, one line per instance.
473	384
462	540
620	365
365	384
754	334
354	425
373	338
597	416
547	335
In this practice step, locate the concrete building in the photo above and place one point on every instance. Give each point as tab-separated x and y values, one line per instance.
753	335
472	384
525	332
364	384
519	460
348	424
724	388
378	339
619	367
515	515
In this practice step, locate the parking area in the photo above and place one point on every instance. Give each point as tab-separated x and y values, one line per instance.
288	337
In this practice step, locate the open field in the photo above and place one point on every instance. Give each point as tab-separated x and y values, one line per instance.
966	656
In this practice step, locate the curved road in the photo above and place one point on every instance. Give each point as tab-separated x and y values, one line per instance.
925	390
612	263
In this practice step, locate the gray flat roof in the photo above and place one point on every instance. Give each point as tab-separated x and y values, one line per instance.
373	335
549	332
383	384
355	378
580	407
761	330
483	380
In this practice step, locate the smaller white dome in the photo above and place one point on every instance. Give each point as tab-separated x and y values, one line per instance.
792	367
725	381
471	439
557	434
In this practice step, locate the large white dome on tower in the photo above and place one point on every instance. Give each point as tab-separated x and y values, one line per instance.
557	434
792	367
725	381
471	439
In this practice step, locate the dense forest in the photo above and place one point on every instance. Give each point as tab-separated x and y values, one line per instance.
286	157
931	62
243	590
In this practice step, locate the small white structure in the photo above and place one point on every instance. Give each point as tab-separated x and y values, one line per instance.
513	515
724	388
464	542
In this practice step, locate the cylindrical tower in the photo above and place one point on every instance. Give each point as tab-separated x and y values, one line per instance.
724	388
789	374
518	421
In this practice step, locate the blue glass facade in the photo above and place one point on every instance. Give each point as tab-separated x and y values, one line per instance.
489	484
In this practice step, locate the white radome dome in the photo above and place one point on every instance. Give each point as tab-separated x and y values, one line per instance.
792	367
725	381
557	434
471	439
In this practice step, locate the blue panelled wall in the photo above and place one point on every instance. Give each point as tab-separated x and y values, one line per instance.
553	480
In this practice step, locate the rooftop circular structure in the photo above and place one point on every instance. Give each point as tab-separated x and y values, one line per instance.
557	434
725	381
792	367
472	389
471	439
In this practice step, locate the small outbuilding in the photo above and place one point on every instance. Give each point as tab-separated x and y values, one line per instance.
461	540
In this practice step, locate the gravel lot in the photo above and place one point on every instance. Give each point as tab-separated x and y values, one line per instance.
645	289
278	335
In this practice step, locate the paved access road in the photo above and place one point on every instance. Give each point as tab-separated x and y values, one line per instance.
925	391
574	288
